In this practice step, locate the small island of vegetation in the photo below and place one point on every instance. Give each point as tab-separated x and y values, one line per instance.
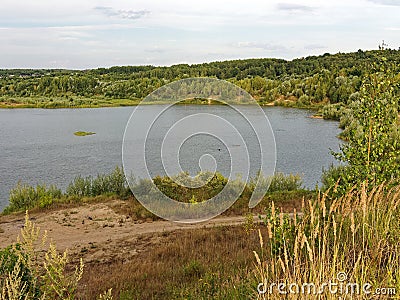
84	133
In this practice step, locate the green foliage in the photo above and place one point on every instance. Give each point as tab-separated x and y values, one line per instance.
193	269
111	184
83	133
303	82
28	272
332	176
284	183
304	100
281	231
183	193
24	197
249	224
347	120
12	258
372	150
14	287
333	111
56	282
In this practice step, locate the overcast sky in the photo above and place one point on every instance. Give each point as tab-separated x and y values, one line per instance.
101	33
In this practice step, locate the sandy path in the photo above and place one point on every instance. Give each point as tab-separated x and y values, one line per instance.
97	232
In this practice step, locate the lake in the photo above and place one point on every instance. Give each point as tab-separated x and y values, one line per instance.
39	146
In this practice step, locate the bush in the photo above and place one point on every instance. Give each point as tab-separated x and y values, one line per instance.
194	269
276	183
180	192
333	111
24	197
304	100
284	183
112	184
170	187
209	185
346	119
27	272
331	176
13	258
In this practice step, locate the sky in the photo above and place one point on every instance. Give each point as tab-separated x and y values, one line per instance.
82	34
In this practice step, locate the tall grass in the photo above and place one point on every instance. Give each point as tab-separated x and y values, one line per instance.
355	238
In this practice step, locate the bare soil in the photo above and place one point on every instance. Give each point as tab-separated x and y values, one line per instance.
100	232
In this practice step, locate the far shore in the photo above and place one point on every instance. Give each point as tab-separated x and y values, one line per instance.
108	103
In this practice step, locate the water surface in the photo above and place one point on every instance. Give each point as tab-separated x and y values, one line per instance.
38	146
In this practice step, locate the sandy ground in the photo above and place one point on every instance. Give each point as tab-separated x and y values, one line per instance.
97	232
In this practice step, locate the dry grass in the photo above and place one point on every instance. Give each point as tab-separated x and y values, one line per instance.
182	264
358	234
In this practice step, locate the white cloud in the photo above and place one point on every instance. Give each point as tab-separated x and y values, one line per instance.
92	33
122	13
294	7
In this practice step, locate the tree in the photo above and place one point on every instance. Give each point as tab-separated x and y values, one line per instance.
372	153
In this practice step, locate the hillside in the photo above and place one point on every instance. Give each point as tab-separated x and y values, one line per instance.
314	80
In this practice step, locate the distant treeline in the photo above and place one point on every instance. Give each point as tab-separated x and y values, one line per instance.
311	80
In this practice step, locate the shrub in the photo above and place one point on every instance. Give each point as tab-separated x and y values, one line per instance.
193	269
208	185
13	258
281	228
111	184
27	272
24	197
331	177
178	187
346	119
304	100
284	183
333	111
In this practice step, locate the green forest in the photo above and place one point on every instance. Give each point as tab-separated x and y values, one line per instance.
313	81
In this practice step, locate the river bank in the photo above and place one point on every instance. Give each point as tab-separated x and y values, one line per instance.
83	102
143	258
